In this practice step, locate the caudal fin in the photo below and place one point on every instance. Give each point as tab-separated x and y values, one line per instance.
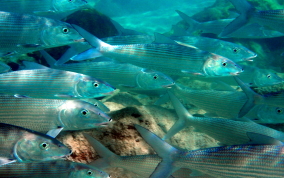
163	149
193	25
245	9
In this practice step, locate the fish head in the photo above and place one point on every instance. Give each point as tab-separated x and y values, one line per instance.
69	5
86	171
89	87
148	79
266	77
239	53
59	34
269	114
216	65
78	115
34	146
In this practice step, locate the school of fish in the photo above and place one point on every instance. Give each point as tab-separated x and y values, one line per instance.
38	102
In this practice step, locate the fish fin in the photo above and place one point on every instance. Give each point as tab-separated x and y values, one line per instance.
122	31
182	113
260	139
193	25
54	132
32	65
159	38
29	45
4	161
90	53
163	149
106	154
48	58
163	99
70	52
178	31
252	98
90	38
245	9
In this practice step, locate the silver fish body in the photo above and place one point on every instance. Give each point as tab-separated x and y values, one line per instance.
50	169
229	50
43	115
18	144
24	33
129	39
167	58
52	83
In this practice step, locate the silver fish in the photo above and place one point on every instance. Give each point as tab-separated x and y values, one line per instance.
18	144
51	83
43	115
24	33
249	14
162	57
43	7
121	75
51	169
216	26
255	160
129	39
226	131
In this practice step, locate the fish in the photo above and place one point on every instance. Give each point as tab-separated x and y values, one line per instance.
18	144
232	51
254	31
249	160
142	165
25	33
50	169
162	57
44	8
123	76
43	115
129	39
52	84
226	131
272	19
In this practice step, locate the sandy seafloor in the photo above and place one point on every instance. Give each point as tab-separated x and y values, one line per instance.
127	108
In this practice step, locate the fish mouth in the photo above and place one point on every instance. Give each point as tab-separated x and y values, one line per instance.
109	93
250	58
80	40
168	86
235	73
102	124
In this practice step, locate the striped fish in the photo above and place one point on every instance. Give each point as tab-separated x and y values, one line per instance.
51	169
172	59
43	115
24	33
52	83
246	161
18	144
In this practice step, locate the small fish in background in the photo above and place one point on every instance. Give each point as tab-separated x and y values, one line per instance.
232	51
46	8
162	56
24	33
52	84
45	115
272	19
18	144
51	169
226	131
216	26
264	155
121	75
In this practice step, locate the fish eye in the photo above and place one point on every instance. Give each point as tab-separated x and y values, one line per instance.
89	173
155	77
84	112
268	76
279	110
95	85
224	64
44	146
235	50
65	30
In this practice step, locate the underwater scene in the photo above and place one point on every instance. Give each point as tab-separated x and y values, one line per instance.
138	89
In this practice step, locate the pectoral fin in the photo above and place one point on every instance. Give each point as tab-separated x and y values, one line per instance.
54	132
4	161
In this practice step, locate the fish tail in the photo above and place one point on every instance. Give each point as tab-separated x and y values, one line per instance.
253	98
106	154
183	115
245	9
193	25
167	152
48	58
